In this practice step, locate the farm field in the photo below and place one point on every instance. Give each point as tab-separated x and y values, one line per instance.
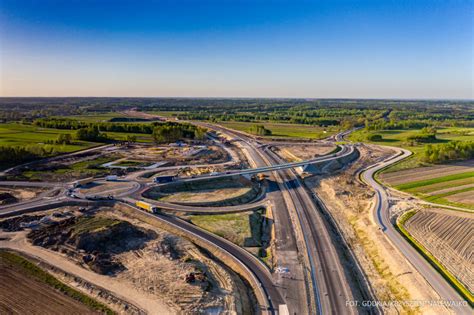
398	138
14	134
448	237
282	130
448	184
26	289
26	135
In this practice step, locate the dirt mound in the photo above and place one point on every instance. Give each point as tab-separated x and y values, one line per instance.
7	198
17	223
93	240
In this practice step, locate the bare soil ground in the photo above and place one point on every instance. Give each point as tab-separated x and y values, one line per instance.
449	236
160	268
20	294
423	173
224	191
112	187
207	195
466	197
178	155
299	152
21	194
350	203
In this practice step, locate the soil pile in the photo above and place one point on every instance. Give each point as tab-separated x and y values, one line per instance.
93	240
7	198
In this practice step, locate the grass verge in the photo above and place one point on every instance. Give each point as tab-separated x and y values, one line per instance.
455	283
37	273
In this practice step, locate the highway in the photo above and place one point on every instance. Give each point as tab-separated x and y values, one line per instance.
344	151
292	284
381	212
331	289
203	210
329	284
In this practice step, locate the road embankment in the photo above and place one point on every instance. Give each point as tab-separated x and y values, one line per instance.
243	263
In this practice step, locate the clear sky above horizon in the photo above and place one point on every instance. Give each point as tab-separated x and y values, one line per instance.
318	49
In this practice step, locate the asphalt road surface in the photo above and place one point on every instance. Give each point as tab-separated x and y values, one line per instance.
382	217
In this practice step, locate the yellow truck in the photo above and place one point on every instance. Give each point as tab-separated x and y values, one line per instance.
146	206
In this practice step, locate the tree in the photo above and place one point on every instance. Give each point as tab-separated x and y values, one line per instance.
64	138
90	134
374	137
200	133
260	130
165	134
131	138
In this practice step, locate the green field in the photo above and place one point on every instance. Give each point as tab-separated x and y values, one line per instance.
281	130
74	171
433	189
15	134
413	186
28	135
243	229
398	138
122	136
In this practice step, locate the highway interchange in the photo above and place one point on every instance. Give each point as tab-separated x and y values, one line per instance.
316	281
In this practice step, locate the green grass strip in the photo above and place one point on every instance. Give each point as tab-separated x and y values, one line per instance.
34	271
447	194
436	180
452	280
453	183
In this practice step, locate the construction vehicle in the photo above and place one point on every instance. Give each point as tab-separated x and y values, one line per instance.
146	206
83	182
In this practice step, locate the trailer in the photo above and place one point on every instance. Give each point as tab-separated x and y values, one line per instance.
164	179
83	182
146	206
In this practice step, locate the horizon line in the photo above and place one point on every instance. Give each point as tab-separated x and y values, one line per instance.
257	97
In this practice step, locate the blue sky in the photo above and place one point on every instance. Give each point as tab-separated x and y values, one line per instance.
339	49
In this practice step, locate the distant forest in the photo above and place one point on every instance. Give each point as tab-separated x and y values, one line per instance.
322	112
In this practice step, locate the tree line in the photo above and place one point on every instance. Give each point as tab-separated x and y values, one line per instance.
454	150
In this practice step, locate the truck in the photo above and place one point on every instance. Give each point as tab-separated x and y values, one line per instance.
146	206
164	179
83	182
111	178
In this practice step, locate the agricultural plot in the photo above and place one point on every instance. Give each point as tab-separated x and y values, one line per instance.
398	138
27	289
282	130
451	184
449	238
28	135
